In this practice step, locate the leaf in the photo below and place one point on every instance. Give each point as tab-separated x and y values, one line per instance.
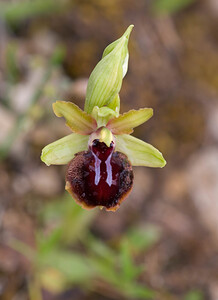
127	121
72	222
194	295
130	271
142	238
138	152
78	120
16	11
46	243
63	150
74	266
105	270
100	249
170	6
137	291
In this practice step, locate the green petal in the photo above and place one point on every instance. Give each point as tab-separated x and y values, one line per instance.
106	79
139	152
63	150
103	114
127	121
78	120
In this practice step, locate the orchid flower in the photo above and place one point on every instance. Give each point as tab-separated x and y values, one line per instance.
101	151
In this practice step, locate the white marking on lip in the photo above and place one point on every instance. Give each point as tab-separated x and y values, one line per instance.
109	170
97	169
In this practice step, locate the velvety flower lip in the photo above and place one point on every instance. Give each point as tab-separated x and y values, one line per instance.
100	152
100	177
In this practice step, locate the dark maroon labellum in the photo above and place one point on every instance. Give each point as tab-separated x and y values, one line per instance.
99	176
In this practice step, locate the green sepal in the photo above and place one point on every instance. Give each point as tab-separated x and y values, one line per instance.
78	120
106	79
138	152
129	120
111	47
63	150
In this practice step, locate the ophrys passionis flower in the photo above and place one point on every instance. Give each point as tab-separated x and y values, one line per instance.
100	152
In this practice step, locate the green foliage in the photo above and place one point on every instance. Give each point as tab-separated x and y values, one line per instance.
144	237
15	11
170	6
74	266
12	75
118	268
194	295
69	254
71	222
58	55
11	62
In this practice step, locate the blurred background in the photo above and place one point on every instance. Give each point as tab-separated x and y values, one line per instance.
163	241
